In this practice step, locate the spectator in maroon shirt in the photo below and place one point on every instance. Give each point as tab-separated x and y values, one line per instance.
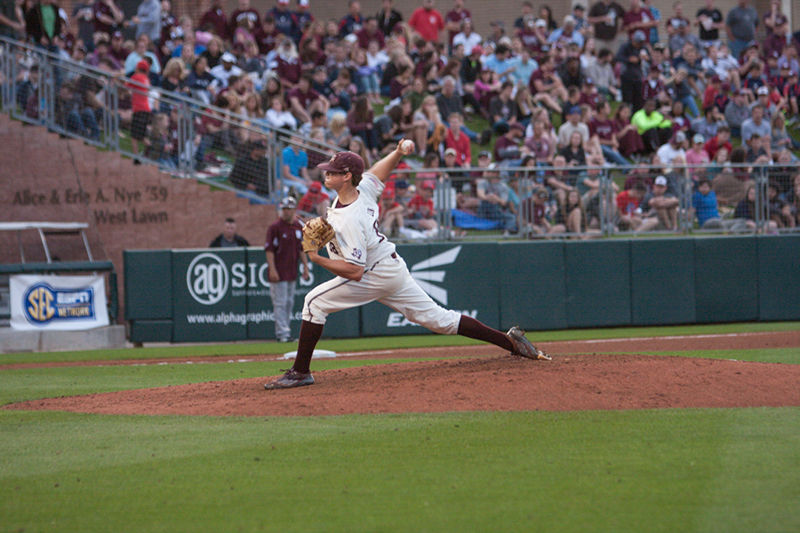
287	62
303	100
653	87
215	20
604	129
628	138
245	17
454	18
507	145
546	86
370	32
283	249
718	141
267	35
107	16
638	18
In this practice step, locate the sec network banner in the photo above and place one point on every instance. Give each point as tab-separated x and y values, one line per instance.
57	302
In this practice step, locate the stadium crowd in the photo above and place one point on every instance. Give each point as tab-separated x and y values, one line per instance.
606	85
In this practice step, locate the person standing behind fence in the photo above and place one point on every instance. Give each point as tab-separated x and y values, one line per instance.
228	238
283	249
140	104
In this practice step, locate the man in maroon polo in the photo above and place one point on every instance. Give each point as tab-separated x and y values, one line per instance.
284	248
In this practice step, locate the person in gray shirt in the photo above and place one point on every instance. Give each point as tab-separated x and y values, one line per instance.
736	112
756	125
741	27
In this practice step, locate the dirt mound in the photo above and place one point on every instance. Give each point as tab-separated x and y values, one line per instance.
497	383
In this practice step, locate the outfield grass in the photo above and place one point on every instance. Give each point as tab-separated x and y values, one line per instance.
668	470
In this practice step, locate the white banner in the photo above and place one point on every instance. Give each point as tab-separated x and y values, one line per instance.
58	302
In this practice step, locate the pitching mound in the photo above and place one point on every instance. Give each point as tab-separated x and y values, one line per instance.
497	383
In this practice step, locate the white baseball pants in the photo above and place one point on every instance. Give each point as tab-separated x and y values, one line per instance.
388	282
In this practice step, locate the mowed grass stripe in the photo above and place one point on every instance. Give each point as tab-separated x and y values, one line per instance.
380	343
665	470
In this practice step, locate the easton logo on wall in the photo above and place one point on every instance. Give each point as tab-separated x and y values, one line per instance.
426	278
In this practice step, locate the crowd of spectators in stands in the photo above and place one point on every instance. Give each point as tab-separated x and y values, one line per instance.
608	85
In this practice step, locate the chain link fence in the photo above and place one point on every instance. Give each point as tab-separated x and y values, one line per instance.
192	139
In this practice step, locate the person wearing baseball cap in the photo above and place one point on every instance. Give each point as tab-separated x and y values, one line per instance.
697	155
737	111
630	54
672	150
226	69
367	268
660	206
283	248
572	125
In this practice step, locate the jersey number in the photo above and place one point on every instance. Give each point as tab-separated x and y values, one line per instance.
381	236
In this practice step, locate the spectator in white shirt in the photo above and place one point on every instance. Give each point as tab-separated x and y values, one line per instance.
667	153
467	37
226	68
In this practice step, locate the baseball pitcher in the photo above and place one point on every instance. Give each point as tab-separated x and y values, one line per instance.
367	267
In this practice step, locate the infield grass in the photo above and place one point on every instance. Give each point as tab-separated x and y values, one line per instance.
380	343
726	470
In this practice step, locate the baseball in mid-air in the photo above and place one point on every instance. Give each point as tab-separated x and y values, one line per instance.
407	146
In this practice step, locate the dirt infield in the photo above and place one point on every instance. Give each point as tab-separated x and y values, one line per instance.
478	378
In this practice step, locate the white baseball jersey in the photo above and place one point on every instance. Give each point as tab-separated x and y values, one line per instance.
358	240
386	277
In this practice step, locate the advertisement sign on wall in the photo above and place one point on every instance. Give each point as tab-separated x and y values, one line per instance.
57	302
221	295
459	277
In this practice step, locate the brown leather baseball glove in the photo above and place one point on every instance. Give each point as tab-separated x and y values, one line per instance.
317	233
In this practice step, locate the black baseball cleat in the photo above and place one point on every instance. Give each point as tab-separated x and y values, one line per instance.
291	379
523	347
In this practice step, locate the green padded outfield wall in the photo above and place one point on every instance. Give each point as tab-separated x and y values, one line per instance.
662	281
148	295
598	283
726	279
148	284
532	285
220	295
779	277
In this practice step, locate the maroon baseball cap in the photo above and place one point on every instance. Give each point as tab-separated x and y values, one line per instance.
344	162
